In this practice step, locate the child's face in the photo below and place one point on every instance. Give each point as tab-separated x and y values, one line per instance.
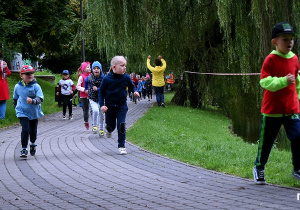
120	68
27	77
96	71
65	76
284	43
87	69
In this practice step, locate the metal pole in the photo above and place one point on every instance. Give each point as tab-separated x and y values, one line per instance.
82	33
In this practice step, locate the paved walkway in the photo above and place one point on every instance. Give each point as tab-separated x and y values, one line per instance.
75	169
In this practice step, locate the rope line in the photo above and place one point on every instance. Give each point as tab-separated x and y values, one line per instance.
222	74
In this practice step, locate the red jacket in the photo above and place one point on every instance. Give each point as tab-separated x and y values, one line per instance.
4	92
283	99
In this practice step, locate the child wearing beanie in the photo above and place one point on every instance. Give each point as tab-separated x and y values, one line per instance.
92	86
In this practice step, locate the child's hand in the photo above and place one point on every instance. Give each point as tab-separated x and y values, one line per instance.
86	91
57	93
290	79
159	57
71	91
95	88
103	109
29	100
136	94
149	56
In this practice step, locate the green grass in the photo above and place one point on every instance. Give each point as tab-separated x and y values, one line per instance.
48	106
202	138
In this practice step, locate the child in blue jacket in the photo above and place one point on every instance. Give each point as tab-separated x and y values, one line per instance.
113	97
27	99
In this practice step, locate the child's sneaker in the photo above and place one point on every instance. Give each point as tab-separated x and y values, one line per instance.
32	149
94	129
108	134
87	125
24	153
70	116
122	151
64	117
259	175
163	105
296	174
101	133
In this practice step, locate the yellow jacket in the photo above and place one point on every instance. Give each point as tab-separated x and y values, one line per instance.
158	73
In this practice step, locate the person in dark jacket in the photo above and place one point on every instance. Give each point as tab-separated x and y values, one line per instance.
113	99
92	87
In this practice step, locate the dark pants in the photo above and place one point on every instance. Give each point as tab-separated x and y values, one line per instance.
160	97
270	127
85	107
29	129
116	116
143	93
149	93
67	102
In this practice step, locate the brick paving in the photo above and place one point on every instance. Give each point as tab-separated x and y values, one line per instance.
75	169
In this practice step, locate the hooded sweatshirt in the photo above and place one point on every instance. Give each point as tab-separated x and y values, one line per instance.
32	90
113	89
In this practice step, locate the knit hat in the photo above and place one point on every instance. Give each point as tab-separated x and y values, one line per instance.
282	28
96	63
65	72
84	65
26	69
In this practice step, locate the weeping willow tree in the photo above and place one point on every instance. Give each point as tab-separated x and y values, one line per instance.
204	36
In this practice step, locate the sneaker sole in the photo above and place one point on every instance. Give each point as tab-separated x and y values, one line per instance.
23	156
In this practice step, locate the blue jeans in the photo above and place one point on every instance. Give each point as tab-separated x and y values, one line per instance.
29	129
116	116
270	127
160	97
2	109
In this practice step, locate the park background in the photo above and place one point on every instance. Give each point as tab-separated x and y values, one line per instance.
209	37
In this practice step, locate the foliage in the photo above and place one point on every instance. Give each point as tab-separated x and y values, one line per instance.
41	29
220	36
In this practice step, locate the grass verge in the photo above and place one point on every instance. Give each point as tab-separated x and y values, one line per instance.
202	138
48	106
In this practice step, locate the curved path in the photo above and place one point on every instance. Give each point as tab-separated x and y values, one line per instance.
75	169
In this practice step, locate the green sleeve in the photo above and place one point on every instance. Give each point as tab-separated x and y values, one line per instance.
298	86
273	83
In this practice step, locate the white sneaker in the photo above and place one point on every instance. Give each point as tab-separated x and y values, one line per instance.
122	151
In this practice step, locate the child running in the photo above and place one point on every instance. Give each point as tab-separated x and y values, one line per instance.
92	86
112	99
66	88
27	99
82	73
280	104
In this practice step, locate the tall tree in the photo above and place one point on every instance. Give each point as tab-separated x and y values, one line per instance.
39	28
208	36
